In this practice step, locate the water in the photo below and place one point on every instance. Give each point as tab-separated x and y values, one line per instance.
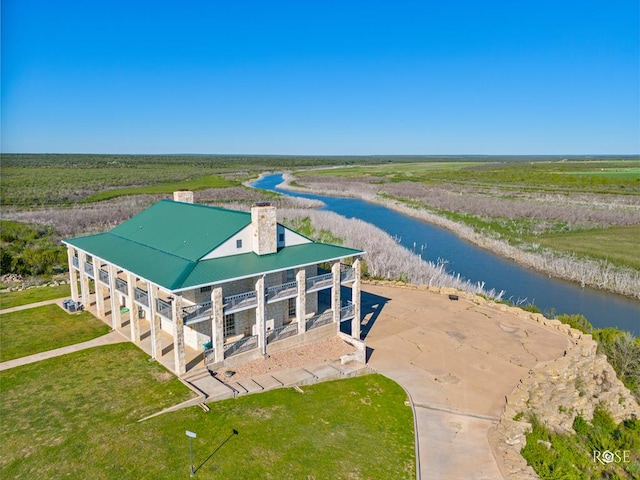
602	309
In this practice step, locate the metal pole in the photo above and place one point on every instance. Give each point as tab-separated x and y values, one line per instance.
191	454
191	436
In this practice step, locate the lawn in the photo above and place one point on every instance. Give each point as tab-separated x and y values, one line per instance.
620	244
33	295
40	329
86	406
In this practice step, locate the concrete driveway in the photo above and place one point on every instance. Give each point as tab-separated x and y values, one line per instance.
458	360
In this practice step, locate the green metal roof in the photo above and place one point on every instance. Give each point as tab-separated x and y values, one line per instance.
183	229
217	270
165	242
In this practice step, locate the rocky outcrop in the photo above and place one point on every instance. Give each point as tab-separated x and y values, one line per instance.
556	392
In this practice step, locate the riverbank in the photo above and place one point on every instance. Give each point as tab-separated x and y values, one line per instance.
601	275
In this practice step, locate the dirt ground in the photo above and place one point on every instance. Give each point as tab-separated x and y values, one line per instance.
458	360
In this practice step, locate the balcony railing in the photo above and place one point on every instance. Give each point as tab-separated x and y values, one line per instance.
104	276
121	286
281	292
243	345
319	282
196	313
75	261
141	296
88	268
347	312
347	275
283	332
242	301
164	309
318	320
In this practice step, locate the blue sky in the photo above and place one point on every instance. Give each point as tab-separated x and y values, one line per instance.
321	77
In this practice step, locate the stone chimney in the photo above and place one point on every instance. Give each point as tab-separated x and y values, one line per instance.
264	225
184	196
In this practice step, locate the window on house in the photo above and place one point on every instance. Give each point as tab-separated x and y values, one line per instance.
281	237
205	289
292	307
289	275
229	325
239	243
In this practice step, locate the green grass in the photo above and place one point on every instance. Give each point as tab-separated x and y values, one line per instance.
191	184
392	172
619	245
40	329
33	295
594	176
304	227
630	173
76	417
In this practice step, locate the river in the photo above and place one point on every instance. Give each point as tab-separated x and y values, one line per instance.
602	309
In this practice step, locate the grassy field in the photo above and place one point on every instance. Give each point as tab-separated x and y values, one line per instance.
33	295
40	329
200	183
30	180
610	176
619	245
60	412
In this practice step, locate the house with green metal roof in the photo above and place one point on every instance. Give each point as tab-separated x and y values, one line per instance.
225	286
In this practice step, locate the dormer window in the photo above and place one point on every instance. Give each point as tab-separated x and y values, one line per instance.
239	243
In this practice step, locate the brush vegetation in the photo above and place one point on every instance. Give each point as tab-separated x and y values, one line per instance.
621	348
577	455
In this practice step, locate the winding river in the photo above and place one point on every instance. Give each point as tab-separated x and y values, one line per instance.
603	309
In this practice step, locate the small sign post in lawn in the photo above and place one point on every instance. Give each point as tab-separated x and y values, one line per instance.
191	436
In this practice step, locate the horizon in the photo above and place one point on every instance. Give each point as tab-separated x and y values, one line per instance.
630	156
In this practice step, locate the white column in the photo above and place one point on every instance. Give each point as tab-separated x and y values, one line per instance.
178	336
217	324
301	300
335	293
84	279
355	299
100	310
260	316
156	334
134	321
73	274
116	318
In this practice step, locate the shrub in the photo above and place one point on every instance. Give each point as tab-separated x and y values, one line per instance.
577	321
30	250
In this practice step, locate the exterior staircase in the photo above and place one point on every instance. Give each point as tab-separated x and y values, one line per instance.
217	388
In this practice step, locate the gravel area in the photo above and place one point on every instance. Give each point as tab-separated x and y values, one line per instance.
312	354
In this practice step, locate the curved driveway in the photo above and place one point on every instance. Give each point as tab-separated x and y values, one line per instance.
458	360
